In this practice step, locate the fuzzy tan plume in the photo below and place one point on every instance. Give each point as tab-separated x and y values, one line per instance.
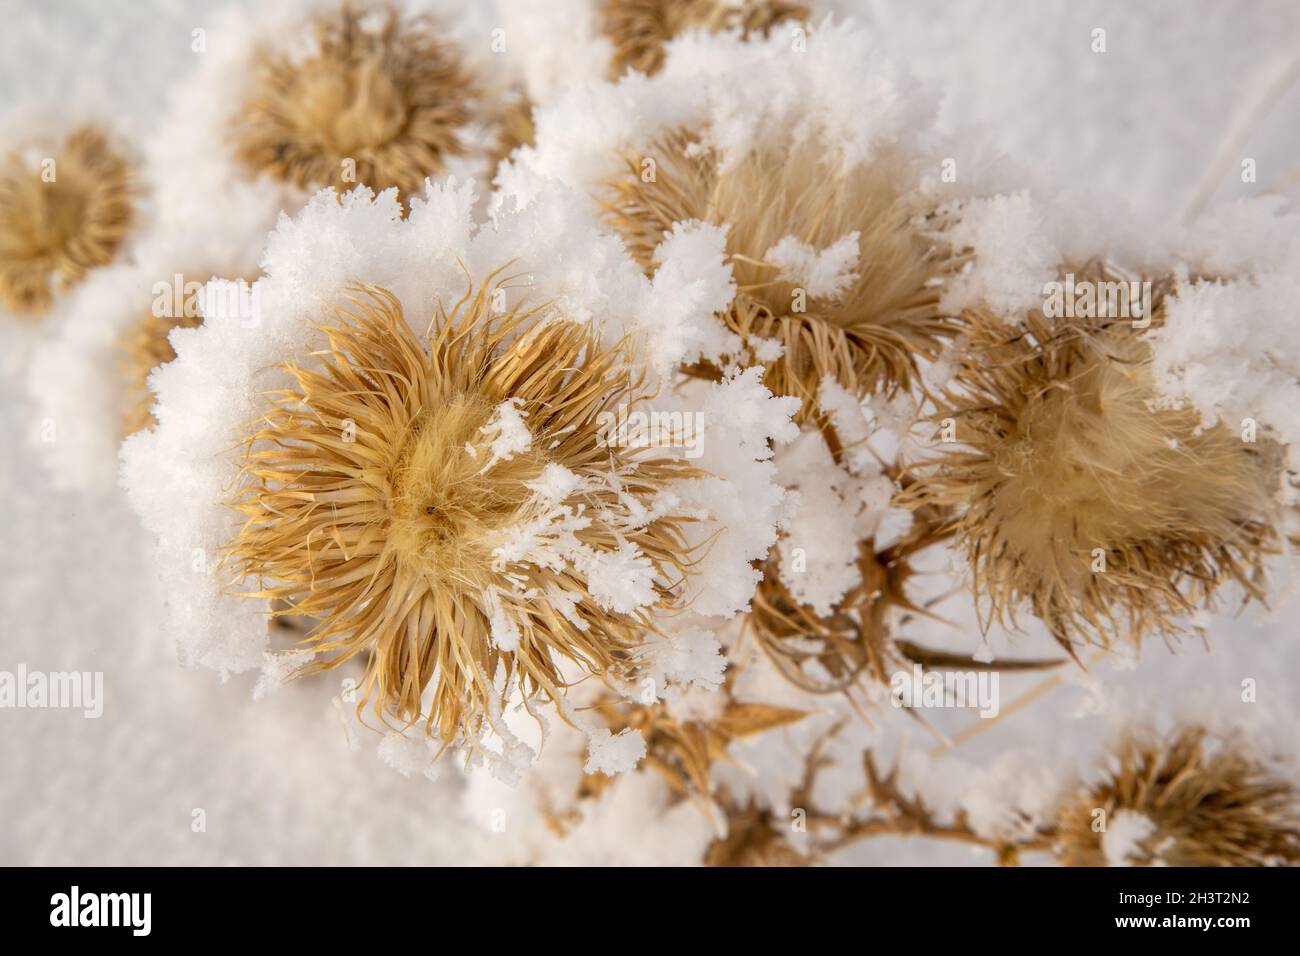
58	222
1198	803
383	500
869	329
1078	496
380	103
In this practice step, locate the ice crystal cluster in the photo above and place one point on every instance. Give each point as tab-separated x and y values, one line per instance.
666	433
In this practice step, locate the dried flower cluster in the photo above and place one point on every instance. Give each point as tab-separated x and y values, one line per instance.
405	458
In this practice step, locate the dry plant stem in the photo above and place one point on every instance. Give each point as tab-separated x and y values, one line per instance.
1235	138
903	815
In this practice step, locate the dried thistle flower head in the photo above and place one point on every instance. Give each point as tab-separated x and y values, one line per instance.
832	268
447	511
380	103
640	29
1078	495
1182	801
60	219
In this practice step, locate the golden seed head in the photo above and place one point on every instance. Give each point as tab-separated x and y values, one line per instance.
870	333
143	347
61	219
379	103
1204	804
377	505
640	29
1080	496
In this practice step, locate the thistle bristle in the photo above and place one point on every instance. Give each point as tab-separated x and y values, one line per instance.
871	334
1204	803
390	539
59	222
380	106
1082	497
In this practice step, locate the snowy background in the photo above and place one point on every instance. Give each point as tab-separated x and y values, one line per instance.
1140	138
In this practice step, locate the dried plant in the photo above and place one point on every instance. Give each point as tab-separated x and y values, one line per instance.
871	331
59	221
681	750
381	503
1077	494
754	839
381	102
1200	803
640	29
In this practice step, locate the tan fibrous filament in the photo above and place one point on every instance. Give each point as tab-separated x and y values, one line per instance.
1081	496
381	102
870	334
60	218
375	504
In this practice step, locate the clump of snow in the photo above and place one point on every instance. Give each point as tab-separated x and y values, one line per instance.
1229	346
1122	839
1014	256
743	422
613	754
821	273
681	658
621	581
507	432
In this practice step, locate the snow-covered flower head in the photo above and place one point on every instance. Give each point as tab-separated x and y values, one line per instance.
65	209
1182	800
90	376
809	168
1079	494
443	504
401	433
640	29
293	97
379	100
